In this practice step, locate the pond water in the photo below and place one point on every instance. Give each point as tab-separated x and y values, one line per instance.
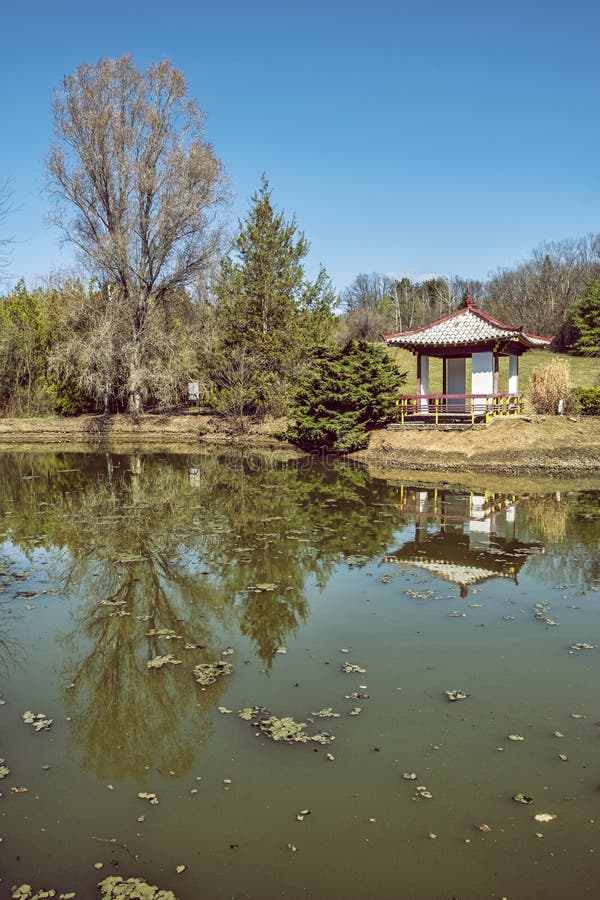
282	573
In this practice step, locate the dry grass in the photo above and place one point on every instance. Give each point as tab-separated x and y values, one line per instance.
550	387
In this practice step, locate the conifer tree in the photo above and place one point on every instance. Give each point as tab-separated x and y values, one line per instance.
344	393
586	321
270	318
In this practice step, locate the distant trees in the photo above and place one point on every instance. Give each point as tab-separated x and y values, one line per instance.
138	191
5	209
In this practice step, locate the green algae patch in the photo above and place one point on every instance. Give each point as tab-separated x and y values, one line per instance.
208	673
284	729
116	888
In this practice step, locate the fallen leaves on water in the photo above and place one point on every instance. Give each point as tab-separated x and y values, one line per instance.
544	817
581	645
19	789
483	827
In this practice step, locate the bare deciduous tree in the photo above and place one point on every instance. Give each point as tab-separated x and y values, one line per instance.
137	190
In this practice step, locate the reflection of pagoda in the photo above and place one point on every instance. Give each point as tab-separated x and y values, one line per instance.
462	538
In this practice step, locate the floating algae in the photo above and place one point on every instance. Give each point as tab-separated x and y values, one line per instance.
284	729
115	887
208	673
39	721
159	661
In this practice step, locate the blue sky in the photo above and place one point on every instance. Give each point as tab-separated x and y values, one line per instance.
408	138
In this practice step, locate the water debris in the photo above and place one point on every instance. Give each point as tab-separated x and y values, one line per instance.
432	835
544	817
281	650
563	757
540	611
330	757
116	888
522	798
344	650
224	710
515	737
228	651
144	795
39	721
453	696
208	673
180	869
385	579
456	614
4	770
409	776
292	848
558	734
159	661
26	892
356	695
581	645
356	559
19	789
326	713
485	828
352	668
284	729
422	792
259	588
167	633
356	711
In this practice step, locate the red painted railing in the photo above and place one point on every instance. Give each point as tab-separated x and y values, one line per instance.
471	405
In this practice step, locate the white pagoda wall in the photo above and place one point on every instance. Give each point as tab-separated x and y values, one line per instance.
457	379
482	377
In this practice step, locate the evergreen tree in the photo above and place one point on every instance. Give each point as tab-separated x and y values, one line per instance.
343	394
266	308
586	320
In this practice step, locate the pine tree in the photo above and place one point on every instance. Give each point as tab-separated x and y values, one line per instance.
270	318
265	305
586	320
345	392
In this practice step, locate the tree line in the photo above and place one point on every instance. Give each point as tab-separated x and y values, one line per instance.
164	294
553	294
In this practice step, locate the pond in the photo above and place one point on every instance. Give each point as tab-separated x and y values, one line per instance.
146	600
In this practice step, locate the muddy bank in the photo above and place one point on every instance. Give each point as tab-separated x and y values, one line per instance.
566	447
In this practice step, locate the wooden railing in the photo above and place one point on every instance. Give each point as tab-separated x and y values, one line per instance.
473	406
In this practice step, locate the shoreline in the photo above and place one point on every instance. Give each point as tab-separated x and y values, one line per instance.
565	447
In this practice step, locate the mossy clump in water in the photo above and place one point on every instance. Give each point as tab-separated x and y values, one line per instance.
285	729
4	770
26	892
159	661
116	888
207	673
39	720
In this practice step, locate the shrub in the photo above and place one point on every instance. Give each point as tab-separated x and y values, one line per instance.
342	394
548	385
588	401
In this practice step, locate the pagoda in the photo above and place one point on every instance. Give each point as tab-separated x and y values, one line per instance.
467	334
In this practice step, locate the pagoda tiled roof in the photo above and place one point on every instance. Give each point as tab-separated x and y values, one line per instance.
466	326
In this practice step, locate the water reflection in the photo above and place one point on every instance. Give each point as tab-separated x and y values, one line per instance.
462	538
174	554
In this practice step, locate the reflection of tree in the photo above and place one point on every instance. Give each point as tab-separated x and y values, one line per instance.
143	546
569	525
